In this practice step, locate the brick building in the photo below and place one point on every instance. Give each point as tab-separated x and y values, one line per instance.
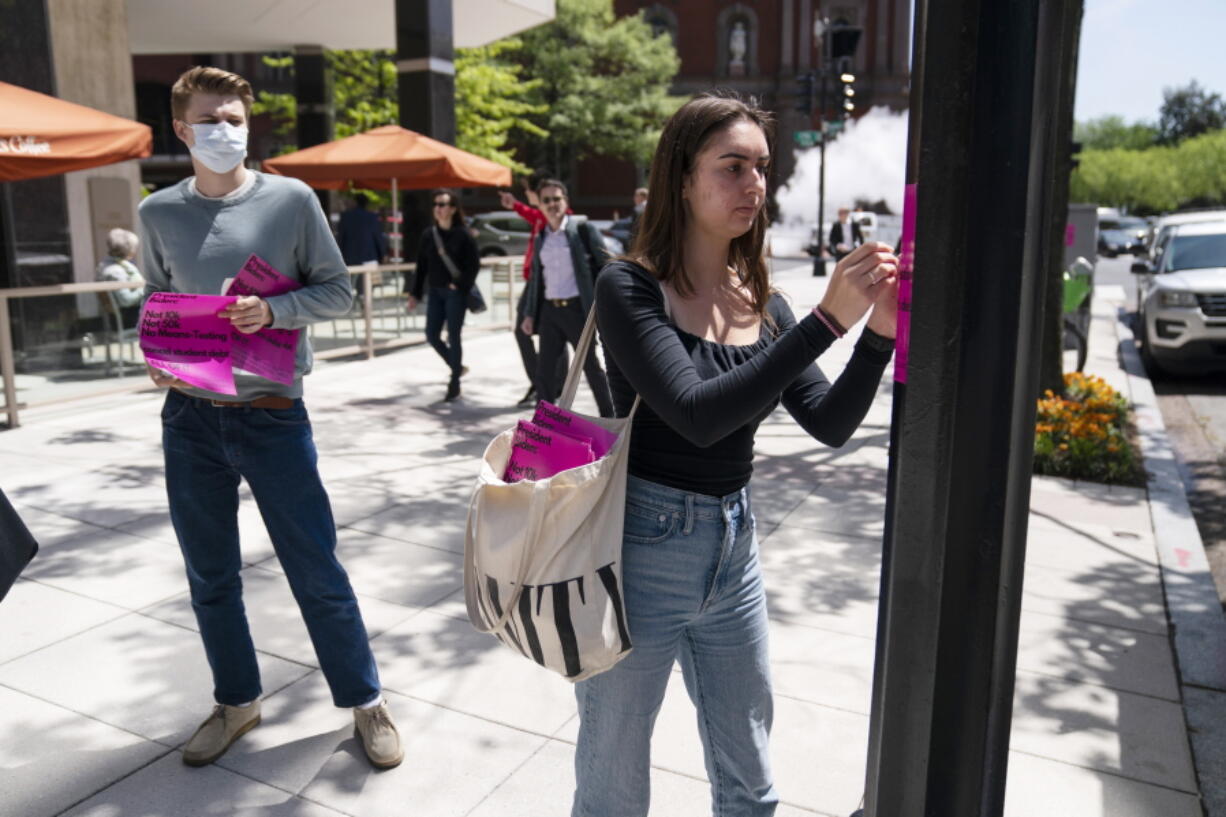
759	47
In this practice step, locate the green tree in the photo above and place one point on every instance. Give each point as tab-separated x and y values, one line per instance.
1108	132
604	82
1189	111
363	90
1160	179
492	102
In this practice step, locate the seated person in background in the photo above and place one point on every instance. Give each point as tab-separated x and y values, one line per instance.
121	248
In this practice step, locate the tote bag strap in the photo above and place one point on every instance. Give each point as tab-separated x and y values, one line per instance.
576	365
532	535
585	343
442	251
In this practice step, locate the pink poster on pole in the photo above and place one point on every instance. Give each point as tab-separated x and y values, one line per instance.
906	268
269	353
180	333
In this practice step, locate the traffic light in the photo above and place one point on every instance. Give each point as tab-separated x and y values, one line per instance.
843	41
846	82
804	93
841	51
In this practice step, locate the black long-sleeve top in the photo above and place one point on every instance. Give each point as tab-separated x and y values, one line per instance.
703	401
430	267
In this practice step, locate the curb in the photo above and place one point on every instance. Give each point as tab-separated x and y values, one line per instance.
1191	595
1194	610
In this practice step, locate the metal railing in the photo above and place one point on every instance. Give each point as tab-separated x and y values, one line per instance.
375	314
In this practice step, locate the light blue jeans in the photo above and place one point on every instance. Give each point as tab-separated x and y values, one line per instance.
693	593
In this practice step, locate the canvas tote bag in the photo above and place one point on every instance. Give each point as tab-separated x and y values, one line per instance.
542	559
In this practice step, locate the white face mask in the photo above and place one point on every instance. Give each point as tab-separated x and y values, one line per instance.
220	147
640	207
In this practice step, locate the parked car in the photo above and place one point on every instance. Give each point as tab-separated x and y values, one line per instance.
501	232
1181	290
1123	234
609	229
1165	223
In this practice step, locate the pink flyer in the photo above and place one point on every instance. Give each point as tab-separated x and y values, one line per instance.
559	419
180	333
537	453
906	269
269	353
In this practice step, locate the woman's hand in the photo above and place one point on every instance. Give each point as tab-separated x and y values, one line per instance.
884	318
859	281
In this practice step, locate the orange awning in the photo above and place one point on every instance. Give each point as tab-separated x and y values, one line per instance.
372	159
42	136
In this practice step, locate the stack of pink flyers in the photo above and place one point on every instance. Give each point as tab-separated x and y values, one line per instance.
538	452
559	419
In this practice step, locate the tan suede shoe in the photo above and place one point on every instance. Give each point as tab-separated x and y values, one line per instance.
226	725
374	728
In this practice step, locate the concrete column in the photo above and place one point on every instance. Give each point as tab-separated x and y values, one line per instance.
787	38
313	90
805	23
425	68
882	38
93	67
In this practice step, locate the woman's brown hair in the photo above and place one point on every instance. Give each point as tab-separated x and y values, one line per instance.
459	217
660	241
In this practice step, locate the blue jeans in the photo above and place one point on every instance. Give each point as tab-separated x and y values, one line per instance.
693	593
208	449
448	305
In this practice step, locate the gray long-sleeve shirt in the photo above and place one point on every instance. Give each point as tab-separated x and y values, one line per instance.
193	243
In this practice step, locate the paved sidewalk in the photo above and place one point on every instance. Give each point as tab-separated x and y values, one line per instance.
102	676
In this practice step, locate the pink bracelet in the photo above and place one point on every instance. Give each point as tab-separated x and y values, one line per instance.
831	324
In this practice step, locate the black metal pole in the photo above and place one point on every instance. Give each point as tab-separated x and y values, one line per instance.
906	252
819	261
822	158
958	504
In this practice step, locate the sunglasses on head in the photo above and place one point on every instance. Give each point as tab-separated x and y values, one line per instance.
552	199
443	204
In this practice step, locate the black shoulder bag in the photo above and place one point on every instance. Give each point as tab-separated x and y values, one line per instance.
475	303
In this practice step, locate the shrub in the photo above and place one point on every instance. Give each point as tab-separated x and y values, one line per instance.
1083	435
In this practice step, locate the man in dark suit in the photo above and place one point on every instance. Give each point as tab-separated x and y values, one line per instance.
844	235
561	289
362	240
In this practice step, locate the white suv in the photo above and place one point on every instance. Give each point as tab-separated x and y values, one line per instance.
1181	291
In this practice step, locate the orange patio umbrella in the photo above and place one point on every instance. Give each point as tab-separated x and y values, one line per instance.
42	136
389	157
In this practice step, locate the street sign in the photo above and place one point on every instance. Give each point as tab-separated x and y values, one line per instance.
807	138
833	127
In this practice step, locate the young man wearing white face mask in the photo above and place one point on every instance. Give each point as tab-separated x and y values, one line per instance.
198	233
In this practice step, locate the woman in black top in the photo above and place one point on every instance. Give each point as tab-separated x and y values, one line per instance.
689	322
449	283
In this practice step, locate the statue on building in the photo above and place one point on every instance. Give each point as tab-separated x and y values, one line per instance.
738	46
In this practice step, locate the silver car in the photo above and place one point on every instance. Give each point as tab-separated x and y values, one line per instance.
502	232
1182	294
